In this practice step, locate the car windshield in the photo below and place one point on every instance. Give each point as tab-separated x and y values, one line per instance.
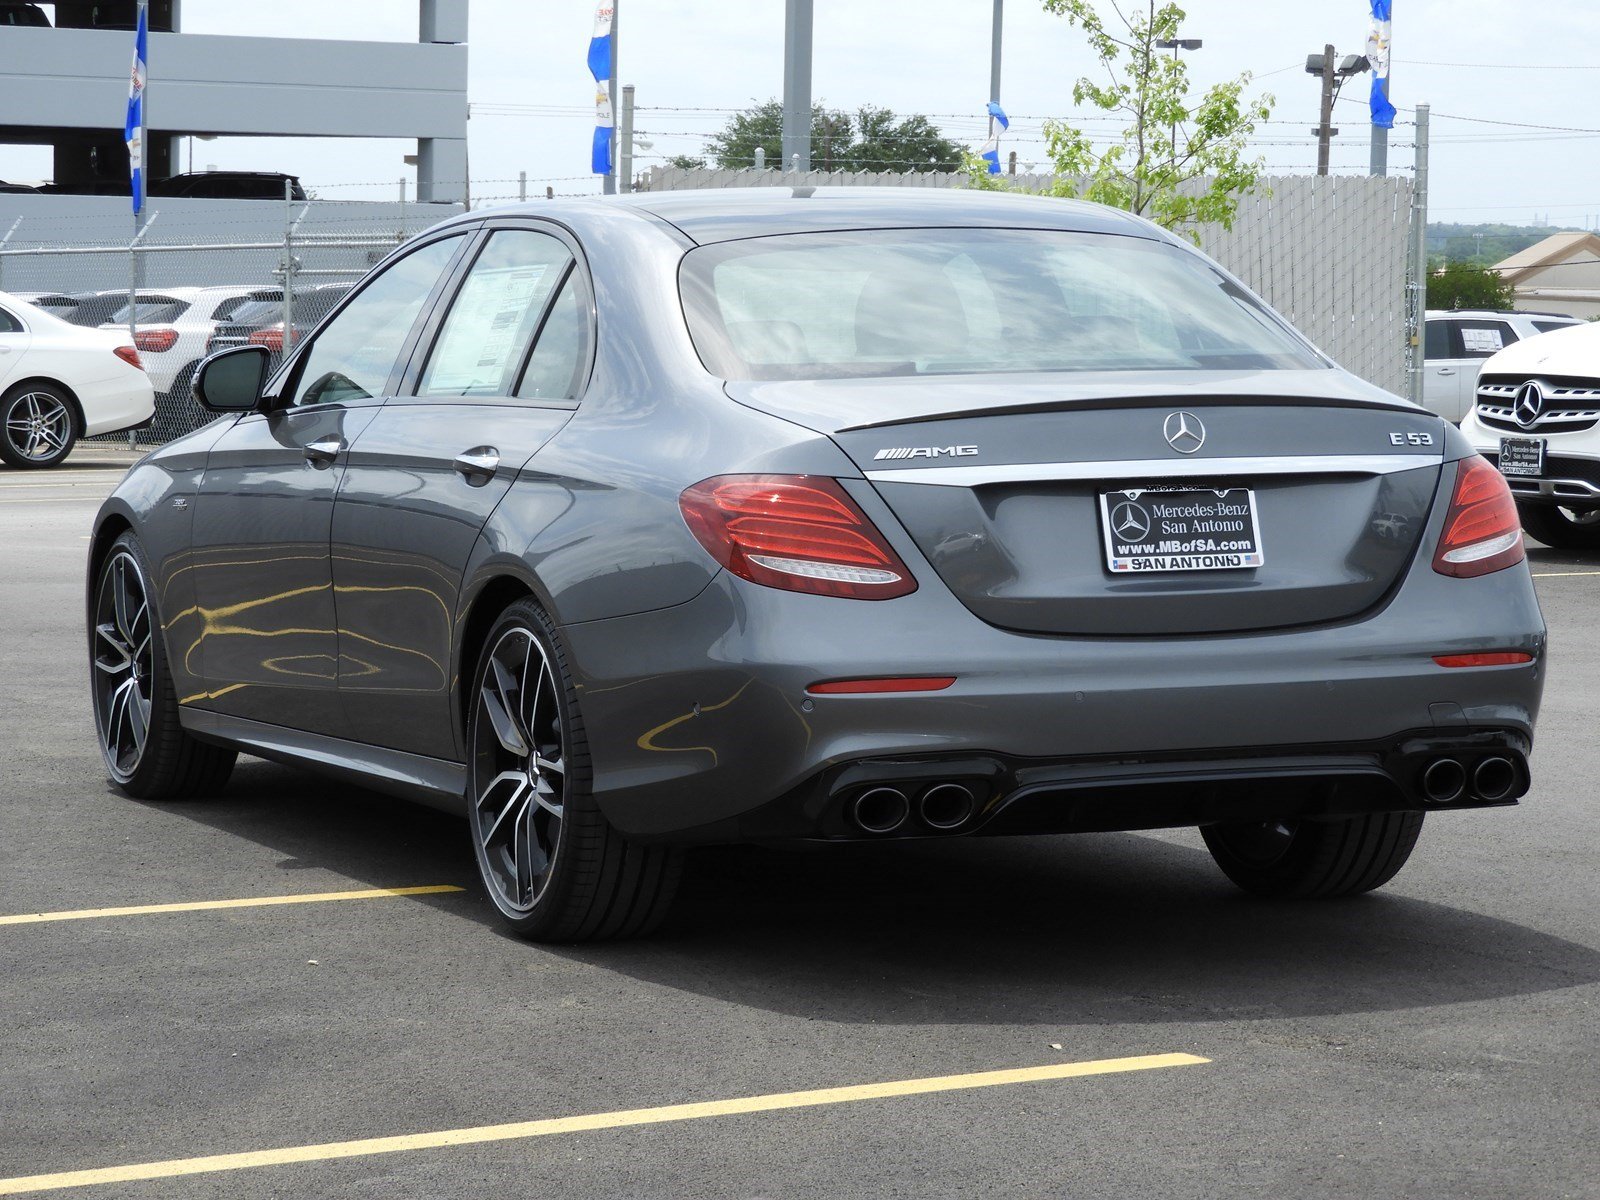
957	301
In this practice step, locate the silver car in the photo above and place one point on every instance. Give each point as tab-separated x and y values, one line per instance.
620	526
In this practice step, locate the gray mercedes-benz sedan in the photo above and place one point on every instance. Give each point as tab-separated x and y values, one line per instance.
820	514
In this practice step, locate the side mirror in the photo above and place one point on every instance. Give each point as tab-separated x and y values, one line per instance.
230	381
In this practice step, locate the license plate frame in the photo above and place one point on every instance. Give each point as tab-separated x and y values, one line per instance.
1184	529
1522	457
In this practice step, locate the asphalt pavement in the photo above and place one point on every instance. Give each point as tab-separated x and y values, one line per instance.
1167	1037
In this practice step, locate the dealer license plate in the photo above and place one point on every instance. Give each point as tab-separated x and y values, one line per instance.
1151	529
1522	457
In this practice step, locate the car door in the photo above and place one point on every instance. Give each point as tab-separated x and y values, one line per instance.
267	643
13	346
1442	369
497	374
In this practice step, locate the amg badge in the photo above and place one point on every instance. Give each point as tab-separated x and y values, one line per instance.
926	452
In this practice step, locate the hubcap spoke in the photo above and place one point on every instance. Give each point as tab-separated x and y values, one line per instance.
502	710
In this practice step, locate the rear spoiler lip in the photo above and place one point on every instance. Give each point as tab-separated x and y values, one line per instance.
1189	468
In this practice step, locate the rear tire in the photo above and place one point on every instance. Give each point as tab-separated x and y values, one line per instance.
148	753
1561	529
38	425
1314	859
551	864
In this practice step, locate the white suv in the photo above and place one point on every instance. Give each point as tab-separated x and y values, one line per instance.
1459	341
1537	418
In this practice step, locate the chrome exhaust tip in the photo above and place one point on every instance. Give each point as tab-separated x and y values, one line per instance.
880	809
946	806
1495	778
1444	780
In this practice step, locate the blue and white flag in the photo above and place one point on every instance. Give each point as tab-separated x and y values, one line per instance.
600	59
998	124
133	130
1378	60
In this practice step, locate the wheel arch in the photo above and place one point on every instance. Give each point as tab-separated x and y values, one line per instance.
489	599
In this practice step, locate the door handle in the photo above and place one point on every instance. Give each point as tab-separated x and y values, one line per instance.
477	466
320	454
1447	370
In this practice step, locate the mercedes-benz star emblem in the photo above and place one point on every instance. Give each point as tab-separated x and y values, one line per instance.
1184	432
1530	404
1130	522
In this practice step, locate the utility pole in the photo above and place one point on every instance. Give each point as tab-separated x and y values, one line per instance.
609	187
1325	129
994	58
1418	299
625	142
797	85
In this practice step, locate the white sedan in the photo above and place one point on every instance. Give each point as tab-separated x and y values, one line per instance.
59	382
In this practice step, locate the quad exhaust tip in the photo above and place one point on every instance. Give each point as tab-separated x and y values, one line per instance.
1444	780
881	809
946	806
1495	778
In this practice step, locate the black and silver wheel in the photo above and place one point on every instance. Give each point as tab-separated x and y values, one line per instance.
552	865
1306	859
1562	528
146	750
38	425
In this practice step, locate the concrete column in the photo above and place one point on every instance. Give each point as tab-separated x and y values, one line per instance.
441	170
443	21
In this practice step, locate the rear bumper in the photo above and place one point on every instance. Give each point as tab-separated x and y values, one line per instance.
121	402
699	718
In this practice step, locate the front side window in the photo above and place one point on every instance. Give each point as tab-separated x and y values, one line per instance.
355	353
959	301
485	337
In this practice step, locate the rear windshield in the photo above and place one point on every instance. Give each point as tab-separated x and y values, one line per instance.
1551	326
956	301
151	312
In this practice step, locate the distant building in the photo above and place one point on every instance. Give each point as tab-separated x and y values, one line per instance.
64	84
1560	275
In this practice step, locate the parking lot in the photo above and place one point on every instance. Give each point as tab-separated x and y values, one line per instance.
1089	1016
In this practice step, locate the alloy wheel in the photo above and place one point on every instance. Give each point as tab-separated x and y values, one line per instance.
38	426
124	663
519	770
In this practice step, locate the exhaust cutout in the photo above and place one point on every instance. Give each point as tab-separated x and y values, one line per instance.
1495	778
946	806
1444	780
881	809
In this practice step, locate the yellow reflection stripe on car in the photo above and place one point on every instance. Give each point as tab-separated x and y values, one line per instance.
171	1168
140	910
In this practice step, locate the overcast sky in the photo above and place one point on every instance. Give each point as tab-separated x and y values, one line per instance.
1464	57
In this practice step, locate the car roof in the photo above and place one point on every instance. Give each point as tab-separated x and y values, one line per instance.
1497	313
724	214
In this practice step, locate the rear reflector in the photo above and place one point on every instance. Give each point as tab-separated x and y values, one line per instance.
1493	658
1482	532
130	356
859	687
271	337
155	341
801	533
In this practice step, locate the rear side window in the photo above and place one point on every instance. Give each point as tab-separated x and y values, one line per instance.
485	338
1484	339
353	356
1437	342
560	358
9	322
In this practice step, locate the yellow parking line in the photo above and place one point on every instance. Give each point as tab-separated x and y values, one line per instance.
141	910
610	1120
1561	574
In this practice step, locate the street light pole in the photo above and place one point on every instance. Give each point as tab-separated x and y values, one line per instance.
1176	44
797	86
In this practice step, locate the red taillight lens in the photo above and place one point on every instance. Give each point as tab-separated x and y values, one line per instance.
271	338
868	687
802	533
130	356
1482	532
1491	658
155	341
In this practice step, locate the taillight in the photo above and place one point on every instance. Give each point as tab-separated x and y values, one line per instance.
130	356
802	533
271	338
1482	532
155	341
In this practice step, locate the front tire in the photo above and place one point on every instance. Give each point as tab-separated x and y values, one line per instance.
147	751
552	865
38	425
1560	528
1304	859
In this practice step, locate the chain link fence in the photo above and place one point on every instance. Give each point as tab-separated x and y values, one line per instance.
201	279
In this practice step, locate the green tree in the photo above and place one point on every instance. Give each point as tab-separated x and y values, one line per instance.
1179	162
871	139
1467	285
